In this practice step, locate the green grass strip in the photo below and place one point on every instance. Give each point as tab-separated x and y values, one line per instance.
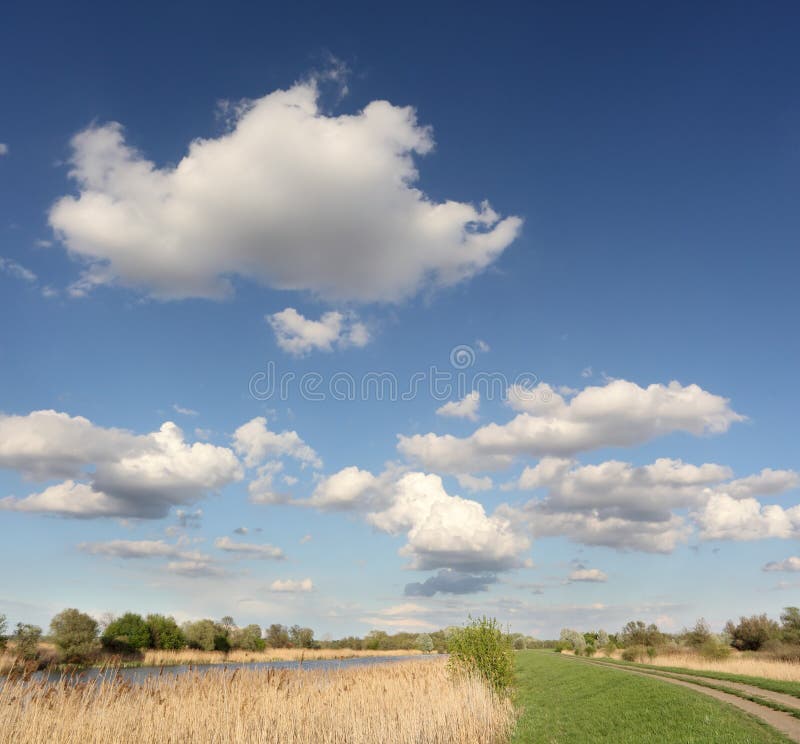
568	702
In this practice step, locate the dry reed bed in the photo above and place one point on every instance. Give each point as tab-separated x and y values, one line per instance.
786	671
403	703
193	656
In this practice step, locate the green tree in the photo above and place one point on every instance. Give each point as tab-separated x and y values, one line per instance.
376	640
301	637
164	632
127	634
636	633
26	641
482	648
751	633
424	643
699	635
790	625
200	634
277	636
248	638
3	627
75	635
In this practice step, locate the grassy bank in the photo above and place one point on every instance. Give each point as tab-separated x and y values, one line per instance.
395	704
567	702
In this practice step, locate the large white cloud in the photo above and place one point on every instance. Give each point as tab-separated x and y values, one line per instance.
618	414
443	531
629	507
133	475
724	517
49	444
289	196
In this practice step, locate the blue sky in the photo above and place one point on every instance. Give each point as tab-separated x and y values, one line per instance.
194	195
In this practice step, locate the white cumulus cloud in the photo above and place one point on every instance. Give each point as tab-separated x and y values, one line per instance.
298	335
617	414
466	408
289	196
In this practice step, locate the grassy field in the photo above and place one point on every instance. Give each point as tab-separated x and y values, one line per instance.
566	702
393	704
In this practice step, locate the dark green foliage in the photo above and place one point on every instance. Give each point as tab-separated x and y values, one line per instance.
481	647
26	641
751	633
75	635
164	632
127	634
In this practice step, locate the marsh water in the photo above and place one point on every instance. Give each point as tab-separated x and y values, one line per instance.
140	674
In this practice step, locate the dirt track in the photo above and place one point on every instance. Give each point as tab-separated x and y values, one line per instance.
783	722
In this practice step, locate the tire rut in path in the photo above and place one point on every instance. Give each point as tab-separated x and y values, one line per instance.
787	724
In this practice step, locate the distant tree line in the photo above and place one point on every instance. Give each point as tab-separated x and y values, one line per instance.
639	641
79	638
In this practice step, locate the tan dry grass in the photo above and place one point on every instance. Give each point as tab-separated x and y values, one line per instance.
785	671
404	703
193	656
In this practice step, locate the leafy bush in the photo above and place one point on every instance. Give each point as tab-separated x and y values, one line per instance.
573	640
127	634
201	634
699	635
248	638
482	648
75	635
714	650
164	632
26	641
634	653
780	651
424	643
3	625
751	633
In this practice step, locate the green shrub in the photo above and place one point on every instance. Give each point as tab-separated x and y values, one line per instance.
127	634
424	643
164	632
26	641
713	650
634	653
483	649
248	638
3	639
75	635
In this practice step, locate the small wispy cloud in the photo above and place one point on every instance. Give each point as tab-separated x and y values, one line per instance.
184	411
17	270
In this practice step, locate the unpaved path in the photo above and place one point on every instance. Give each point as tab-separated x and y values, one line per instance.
786	723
